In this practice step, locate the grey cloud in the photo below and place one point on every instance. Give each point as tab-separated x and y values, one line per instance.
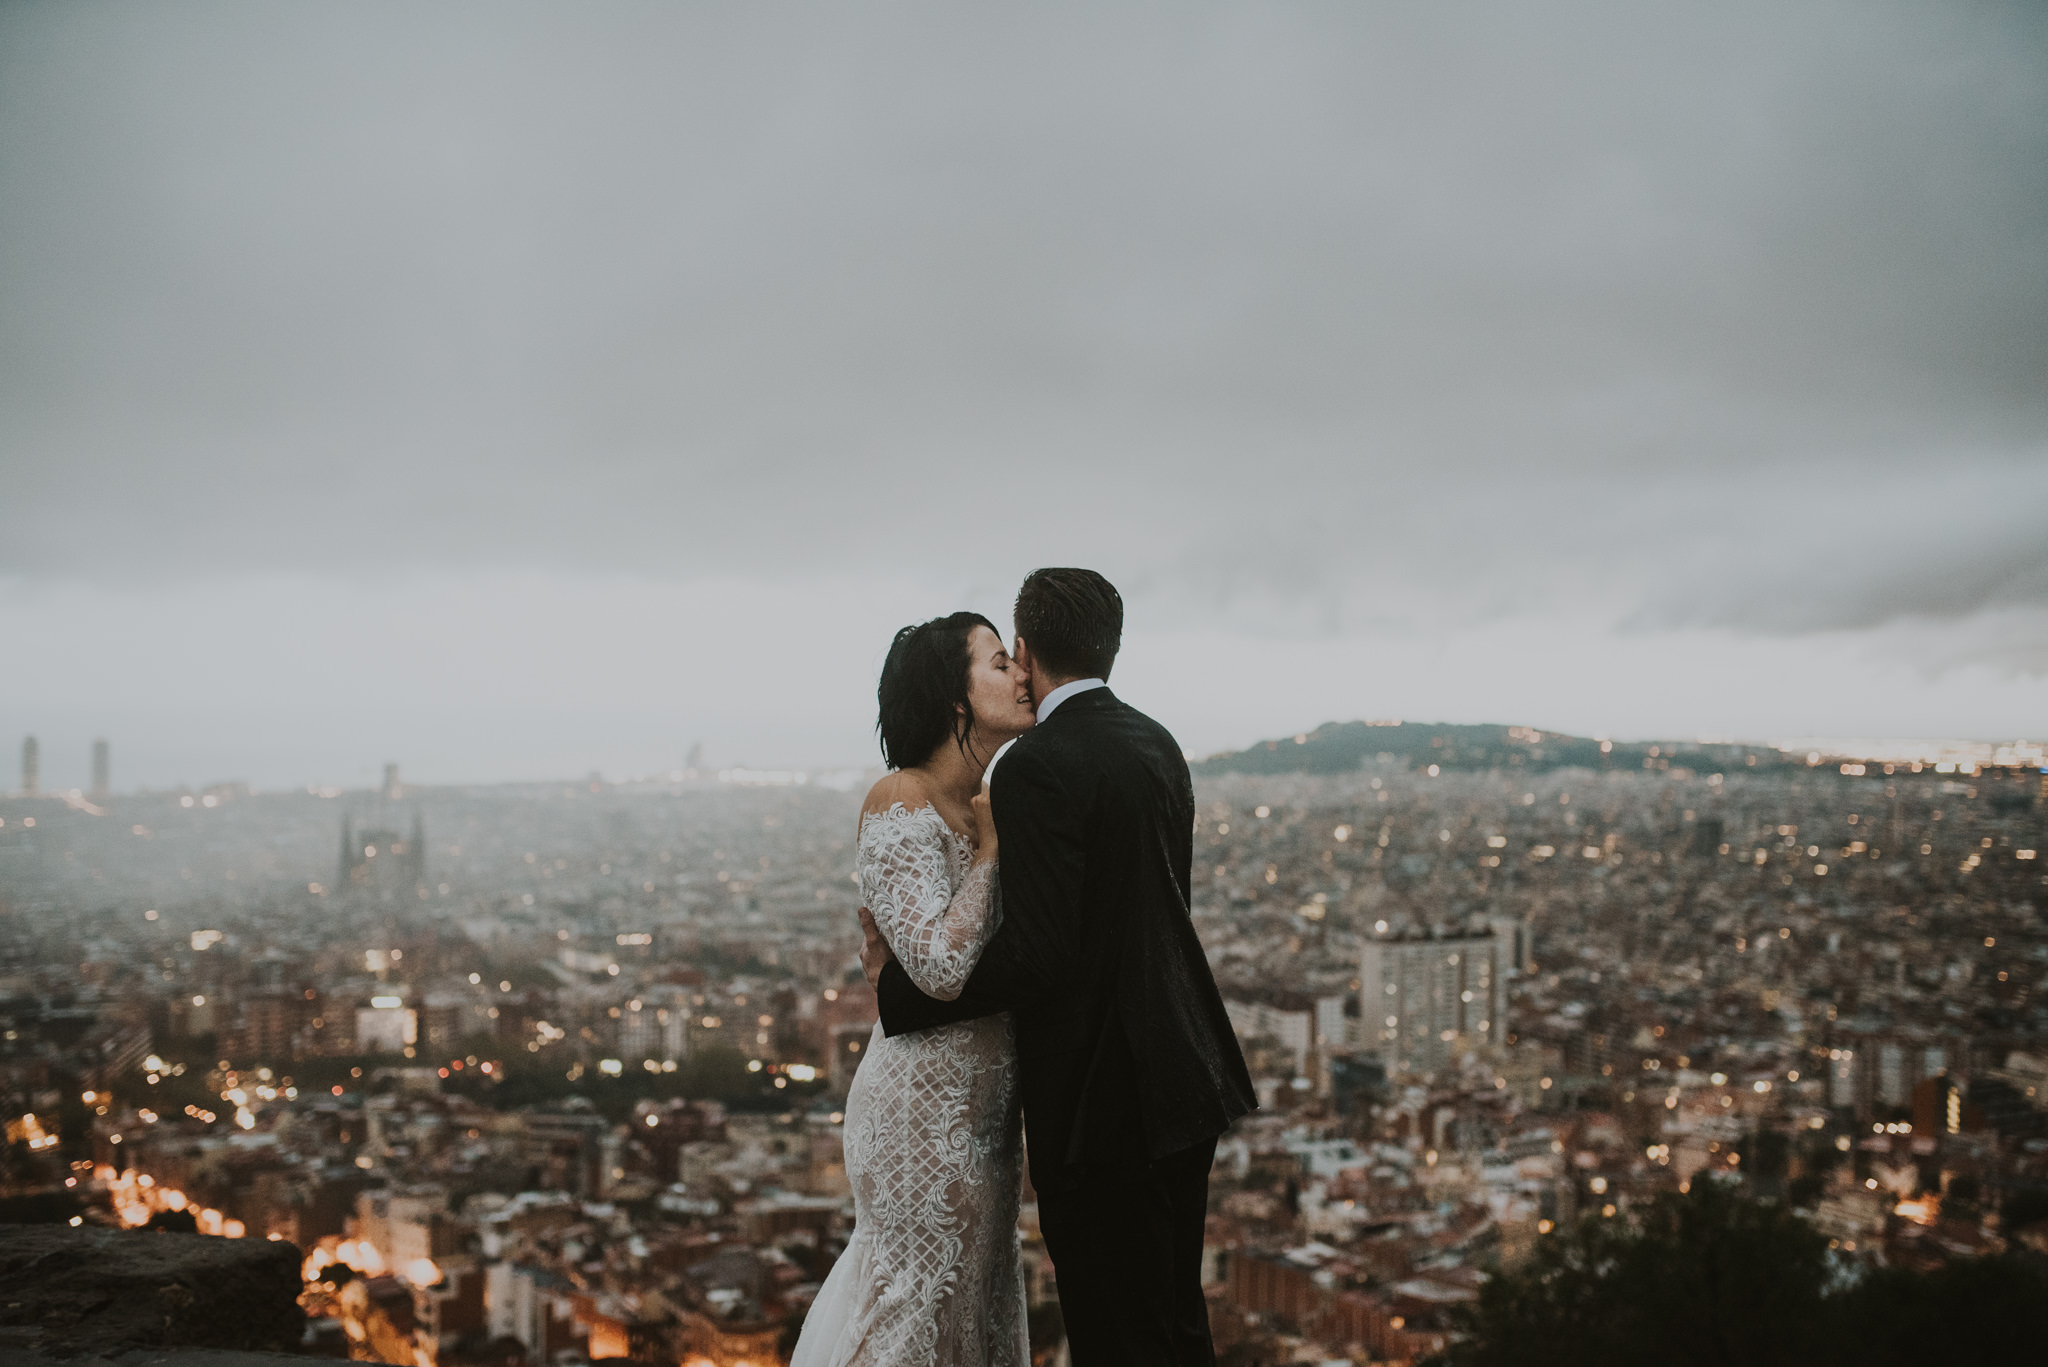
1856	549
1996	564
1303	317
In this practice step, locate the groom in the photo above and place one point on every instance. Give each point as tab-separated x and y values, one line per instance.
1128	1066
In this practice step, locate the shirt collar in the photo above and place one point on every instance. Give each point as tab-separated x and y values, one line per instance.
1059	695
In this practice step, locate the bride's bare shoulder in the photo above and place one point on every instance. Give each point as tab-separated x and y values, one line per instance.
903	787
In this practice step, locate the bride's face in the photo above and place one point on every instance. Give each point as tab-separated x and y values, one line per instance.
999	688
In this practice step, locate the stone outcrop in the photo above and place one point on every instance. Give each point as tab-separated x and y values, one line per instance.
100	1293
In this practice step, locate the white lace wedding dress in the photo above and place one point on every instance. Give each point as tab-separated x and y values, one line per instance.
934	1149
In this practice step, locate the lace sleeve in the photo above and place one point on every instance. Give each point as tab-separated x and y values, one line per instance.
935	933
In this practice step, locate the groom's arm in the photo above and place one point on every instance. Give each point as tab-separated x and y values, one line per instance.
1039	828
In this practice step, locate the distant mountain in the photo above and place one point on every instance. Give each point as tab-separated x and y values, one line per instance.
1341	747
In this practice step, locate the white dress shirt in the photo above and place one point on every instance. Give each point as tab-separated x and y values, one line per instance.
1052	700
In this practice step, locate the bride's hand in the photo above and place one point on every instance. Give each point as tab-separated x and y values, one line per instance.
984	827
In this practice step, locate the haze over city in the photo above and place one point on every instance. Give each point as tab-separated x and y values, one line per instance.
523	391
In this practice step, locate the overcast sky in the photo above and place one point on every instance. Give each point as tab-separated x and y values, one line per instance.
516	391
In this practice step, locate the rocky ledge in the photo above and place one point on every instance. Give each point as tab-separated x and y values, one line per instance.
144	1297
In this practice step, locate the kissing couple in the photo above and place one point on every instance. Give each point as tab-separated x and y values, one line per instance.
1028	935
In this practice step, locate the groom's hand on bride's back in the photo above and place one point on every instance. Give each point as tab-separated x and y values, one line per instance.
874	950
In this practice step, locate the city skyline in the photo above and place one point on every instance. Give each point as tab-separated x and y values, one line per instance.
1948	754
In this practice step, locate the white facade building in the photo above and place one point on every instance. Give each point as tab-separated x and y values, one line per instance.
386	1026
655	1025
1425	999
1308	1030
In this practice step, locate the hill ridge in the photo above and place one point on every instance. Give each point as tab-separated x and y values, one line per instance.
1341	747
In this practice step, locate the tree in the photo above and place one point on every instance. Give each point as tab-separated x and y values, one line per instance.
1716	1279
1972	1310
1706	1279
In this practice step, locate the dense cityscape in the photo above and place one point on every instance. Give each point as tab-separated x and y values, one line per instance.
550	1073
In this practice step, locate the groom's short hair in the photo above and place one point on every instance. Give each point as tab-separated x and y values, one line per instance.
1073	621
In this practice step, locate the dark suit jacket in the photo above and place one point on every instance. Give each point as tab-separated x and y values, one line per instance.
1123	1046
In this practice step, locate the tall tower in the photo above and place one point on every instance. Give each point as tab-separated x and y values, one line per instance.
393	791
416	851
31	767
101	770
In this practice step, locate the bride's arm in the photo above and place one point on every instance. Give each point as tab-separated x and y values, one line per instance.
935	934
1037	952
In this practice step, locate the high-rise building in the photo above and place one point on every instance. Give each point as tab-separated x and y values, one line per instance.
101	770
1426	998
31	767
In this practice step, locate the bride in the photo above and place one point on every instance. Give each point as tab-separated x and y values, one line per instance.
934	1150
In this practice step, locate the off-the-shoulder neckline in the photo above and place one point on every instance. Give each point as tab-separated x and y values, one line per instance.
901	810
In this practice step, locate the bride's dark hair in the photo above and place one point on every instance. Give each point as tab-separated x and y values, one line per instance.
923	693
